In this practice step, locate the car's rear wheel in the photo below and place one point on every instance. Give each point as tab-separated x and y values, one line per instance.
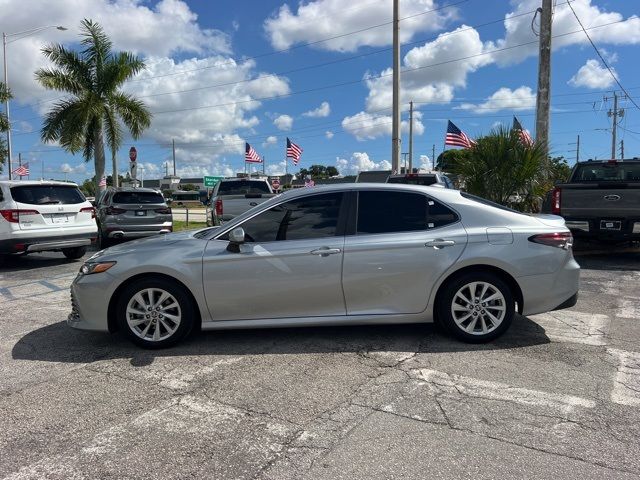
155	313
103	240
74	253
476	307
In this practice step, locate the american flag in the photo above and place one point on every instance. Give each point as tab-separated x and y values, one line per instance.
103	182
457	137
293	151
523	133
250	155
22	170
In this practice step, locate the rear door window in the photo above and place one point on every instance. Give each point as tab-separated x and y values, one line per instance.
137	197
47	194
243	187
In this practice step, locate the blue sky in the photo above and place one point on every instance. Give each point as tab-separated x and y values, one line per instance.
214	69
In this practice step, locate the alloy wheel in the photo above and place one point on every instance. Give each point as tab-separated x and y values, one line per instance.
153	314
478	308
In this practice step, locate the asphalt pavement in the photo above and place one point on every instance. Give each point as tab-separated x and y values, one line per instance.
557	397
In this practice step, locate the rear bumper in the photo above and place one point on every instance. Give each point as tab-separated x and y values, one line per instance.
590	228
46	243
137	231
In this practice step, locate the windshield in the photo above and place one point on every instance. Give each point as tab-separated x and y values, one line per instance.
243	187
607	172
425	180
47	194
137	197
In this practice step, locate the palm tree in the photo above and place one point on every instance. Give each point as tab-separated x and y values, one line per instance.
95	107
5	95
502	168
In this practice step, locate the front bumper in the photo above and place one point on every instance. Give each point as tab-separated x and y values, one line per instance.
90	295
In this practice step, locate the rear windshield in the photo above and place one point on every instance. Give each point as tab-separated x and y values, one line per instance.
137	197
243	187
484	201
607	172
47	194
421	180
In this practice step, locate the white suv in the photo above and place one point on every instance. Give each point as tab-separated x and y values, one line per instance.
37	216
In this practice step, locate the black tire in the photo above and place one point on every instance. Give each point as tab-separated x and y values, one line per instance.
103	240
74	253
473	334
185	311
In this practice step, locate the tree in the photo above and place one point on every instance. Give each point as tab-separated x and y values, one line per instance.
319	171
95	107
5	94
448	159
88	187
501	168
189	187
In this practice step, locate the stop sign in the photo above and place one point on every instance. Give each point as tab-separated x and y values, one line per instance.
133	154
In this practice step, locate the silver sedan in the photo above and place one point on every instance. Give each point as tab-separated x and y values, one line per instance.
348	254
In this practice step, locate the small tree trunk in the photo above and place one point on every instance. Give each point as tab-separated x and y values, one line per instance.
99	158
114	162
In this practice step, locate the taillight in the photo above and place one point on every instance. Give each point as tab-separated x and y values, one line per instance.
555	201
90	210
114	211
556	239
13	216
163	211
219	206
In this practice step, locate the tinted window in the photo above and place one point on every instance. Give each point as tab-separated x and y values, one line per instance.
425	180
308	217
607	172
484	201
137	197
243	187
439	215
47	194
387	212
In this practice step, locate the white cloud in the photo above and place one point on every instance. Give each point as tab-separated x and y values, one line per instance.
592	75
81	168
322	111
425	163
276	169
522	98
321	19
518	29
271	140
368	126
360	162
283	122
329	134
430	84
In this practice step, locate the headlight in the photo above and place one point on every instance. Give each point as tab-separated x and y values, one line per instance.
95	267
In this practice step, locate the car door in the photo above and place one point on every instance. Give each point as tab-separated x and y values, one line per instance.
290	265
401	243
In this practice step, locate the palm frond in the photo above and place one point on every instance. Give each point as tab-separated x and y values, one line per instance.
70	63
96	42
118	70
134	113
112	129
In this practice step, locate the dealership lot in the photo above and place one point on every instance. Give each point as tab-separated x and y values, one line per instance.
557	396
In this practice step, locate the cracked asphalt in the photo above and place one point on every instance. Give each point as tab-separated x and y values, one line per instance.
557	397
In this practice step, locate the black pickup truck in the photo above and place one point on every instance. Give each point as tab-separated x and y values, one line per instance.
600	201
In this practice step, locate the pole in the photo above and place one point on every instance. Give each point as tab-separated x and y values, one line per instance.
433	156
6	102
114	163
411	136
544	76
395	134
578	149
615	125
173	143
42	169
621	149
264	162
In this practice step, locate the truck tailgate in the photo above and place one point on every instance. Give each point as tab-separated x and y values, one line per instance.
599	201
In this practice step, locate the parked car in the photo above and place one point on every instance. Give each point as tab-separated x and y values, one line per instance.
128	212
433	179
342	254
600	201
234	196
37	216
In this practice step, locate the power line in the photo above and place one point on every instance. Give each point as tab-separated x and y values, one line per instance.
601	57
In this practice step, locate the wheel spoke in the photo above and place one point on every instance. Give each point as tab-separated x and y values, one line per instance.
459	308
138	298
472	325
495	307
167	327
463	298
174	318
462	319
156	332
484	325
495	296
162	298
136	322
495	320
146	330
485	287
135	311
169	307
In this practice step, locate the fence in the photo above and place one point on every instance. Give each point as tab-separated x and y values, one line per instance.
193	215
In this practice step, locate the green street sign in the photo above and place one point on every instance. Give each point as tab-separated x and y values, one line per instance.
212	181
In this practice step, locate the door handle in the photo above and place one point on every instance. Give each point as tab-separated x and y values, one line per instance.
439	243
325	251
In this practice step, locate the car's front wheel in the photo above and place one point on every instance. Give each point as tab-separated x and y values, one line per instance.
74	253
155	312
476	307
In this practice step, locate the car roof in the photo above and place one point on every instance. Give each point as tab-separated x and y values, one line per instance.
134	189
237	179
24	183
344	187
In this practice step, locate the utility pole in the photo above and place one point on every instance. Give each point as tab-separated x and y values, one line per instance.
411	136
395	133
615	113
114	164
621	149
403	167
577	150
433	157
173	143
544	76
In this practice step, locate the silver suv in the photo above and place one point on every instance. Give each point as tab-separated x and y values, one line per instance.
132	213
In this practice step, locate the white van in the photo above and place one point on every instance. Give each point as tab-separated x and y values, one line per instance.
37	216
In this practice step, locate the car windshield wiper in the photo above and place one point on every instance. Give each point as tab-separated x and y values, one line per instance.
50	202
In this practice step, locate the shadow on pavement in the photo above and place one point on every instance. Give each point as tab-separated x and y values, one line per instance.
60	343
611	259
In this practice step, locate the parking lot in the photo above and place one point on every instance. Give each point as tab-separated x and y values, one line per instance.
557	397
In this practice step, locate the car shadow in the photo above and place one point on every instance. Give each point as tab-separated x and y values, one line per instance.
59	343
17	263
612	259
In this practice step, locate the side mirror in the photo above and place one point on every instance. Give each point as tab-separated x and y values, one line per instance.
237	235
